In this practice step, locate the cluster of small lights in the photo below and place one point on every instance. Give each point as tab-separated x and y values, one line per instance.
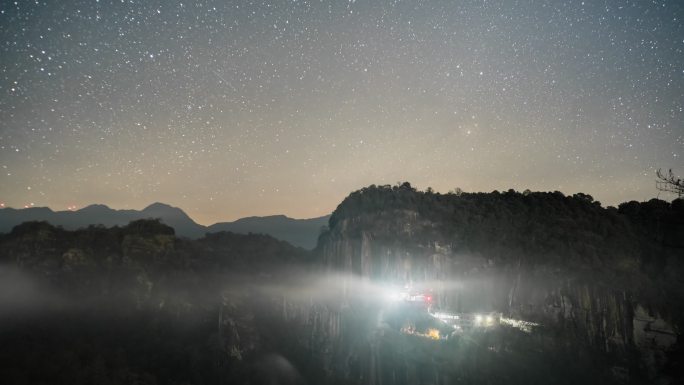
522	325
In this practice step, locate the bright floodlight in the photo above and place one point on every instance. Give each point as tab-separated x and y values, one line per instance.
478	318
490	319
394	295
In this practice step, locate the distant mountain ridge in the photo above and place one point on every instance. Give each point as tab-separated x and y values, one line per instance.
298	232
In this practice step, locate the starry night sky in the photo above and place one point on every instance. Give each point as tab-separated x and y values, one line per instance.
229	109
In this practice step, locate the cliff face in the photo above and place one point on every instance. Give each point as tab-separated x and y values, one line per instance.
563	263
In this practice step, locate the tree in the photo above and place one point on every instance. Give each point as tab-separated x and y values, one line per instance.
670	183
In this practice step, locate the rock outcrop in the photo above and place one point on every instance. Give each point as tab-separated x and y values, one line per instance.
581	271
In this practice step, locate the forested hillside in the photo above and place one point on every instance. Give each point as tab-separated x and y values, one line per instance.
606	283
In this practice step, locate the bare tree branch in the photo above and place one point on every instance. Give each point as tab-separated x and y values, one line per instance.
670	183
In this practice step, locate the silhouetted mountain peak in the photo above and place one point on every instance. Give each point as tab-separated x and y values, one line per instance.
166	212
32	210
299	232
279	217
159	206
95	208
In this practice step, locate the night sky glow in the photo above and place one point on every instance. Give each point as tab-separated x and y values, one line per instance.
230	109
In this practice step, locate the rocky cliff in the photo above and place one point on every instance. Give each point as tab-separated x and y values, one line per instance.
592	278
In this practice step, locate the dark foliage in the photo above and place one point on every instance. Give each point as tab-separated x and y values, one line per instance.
637	247
135	304
540	227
